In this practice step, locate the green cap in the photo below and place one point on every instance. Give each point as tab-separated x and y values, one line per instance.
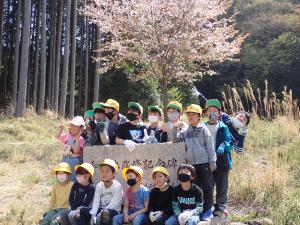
155	108
89	113
135	105
175	105
213	102
98	105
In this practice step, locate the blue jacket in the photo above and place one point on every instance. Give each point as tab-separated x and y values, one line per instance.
237	140
224	161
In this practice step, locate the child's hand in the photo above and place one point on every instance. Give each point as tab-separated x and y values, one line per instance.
221	150
78	135
92	124
180	125
61	128
184	217
165	127
212	166
131	217
126	218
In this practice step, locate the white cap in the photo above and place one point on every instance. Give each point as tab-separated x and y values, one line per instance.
77	121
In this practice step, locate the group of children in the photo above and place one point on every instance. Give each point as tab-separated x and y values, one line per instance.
208	147
80	203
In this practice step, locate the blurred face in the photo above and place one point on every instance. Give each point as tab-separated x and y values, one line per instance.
154	117
184	175
133	114
193	118
173	114
108	109
100	116
213	109
185	171
74	130
213	114
171	110
131	175
61	176
133	110
132	179
87	121
82	176
159	179
242	118
106	173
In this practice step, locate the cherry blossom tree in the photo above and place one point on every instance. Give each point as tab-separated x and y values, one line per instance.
172	40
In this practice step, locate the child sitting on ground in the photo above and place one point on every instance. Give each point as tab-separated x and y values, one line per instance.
187	198
59	200
160	201
108	195
136	198
81	195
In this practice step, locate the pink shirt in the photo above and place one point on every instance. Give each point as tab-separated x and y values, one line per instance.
68	144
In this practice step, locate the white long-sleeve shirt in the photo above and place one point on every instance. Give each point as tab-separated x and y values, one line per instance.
107	198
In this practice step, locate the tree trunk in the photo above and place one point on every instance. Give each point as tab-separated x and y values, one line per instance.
21	103
36	57
58	55
1	35
98	65
81	62
5	62
51	55
16	58
73	60
86	72
62	105
41	103
165	97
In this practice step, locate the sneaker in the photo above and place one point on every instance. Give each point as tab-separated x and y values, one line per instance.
207	215
218	212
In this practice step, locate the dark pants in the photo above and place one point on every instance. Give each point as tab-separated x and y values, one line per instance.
160	221
64	220
205	182
220	180
104	219
52	217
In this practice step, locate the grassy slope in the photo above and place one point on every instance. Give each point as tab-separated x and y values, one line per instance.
265	180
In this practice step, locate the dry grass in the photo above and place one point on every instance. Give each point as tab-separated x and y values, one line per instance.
265	173
267	105
28	151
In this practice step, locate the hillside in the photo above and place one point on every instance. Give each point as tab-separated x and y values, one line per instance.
264	182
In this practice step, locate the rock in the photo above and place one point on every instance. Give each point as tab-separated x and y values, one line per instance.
260	221
147	156
218	220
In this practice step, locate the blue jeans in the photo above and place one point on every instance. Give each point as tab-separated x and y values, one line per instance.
173	220
119	219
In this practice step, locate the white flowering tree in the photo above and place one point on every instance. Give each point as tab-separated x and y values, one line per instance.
173	40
